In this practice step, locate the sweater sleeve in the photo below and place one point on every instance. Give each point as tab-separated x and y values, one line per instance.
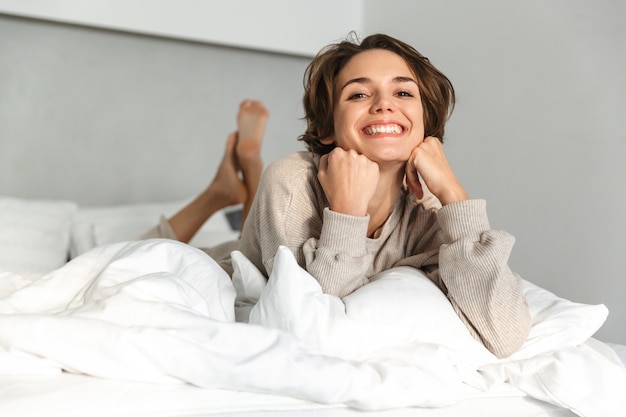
282	213
339	259
290	210
161	230
473	268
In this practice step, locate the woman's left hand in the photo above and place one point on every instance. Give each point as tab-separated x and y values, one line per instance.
428	161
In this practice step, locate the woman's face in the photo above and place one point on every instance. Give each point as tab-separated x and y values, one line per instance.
378	111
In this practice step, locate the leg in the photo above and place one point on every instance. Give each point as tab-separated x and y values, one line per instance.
251	122
237	177
227	187
225	190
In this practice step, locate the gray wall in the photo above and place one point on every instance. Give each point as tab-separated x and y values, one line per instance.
105	117
539	129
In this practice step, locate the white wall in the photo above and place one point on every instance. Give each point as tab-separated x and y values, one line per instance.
297	27
539	129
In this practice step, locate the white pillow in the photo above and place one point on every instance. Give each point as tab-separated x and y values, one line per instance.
95	226
557	322
249	283
34	234
403	306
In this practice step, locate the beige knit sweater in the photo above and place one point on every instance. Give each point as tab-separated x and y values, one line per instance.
453	245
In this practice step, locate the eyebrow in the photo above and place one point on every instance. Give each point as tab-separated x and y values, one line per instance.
365	80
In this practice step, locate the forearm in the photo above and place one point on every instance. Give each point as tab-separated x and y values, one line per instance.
288	211
339	259
482	288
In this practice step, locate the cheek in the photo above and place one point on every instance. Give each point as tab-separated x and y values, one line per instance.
417	137
337	120
415	143
423	117
341	124
418	133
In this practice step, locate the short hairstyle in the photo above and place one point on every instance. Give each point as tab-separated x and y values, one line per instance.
436	91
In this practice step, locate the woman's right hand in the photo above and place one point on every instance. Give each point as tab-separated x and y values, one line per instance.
349	180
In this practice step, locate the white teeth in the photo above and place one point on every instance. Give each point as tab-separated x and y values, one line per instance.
373	130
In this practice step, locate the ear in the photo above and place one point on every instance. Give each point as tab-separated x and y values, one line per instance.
327	141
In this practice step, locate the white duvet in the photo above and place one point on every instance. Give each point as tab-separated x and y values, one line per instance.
162	311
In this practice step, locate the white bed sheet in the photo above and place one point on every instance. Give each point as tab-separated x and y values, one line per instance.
72	395
99	297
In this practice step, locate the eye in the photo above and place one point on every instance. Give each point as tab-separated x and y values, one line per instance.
404	93
356	96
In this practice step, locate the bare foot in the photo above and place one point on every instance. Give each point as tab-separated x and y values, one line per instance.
251	121
227	186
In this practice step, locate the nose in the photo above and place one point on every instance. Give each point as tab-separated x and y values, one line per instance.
382	104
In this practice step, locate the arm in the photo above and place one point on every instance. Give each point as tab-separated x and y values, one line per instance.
290	210
339	258
473	272
472	268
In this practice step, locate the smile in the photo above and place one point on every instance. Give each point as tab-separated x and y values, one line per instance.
387	128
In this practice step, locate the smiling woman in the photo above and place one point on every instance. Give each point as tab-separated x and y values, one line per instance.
343	209
376	191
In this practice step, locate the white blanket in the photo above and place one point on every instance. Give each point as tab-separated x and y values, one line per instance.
162	311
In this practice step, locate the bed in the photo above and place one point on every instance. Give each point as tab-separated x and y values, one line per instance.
94	323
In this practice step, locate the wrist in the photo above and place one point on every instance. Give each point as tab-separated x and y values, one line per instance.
349	208
452	195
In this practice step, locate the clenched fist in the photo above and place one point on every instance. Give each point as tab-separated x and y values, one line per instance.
349	180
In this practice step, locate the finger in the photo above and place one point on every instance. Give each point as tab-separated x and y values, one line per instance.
431	139
321	171
323	162
413	182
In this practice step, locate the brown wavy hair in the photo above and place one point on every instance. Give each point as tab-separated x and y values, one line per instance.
436	91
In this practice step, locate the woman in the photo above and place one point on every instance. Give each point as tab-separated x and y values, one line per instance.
352	206
349	208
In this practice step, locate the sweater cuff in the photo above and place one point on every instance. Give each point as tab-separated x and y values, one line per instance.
161	231
344	233
464	219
